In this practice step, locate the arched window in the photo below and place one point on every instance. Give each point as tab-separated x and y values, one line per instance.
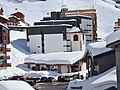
75	38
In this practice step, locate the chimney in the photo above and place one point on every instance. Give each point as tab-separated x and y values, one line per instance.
55	15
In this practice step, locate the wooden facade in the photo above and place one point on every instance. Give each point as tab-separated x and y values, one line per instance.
13	21
4	40
19	15
100	63
3	20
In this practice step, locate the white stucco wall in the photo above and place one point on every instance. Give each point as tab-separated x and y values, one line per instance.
64	69
83	66
34	43
53	43
80	44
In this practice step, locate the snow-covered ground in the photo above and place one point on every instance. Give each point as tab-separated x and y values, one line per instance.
34	10
15	85
100	82
18	47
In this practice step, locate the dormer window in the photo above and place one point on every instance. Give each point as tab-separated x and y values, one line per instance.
75	38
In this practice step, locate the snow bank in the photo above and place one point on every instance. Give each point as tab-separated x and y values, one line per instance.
40	74
15	85
11	71
99	82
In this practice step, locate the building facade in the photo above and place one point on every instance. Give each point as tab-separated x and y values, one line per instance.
113	41
62	62
54	38
19	15
86	22
100	63
4	40
13	21
90	26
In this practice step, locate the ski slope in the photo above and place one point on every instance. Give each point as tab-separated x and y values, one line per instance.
34	10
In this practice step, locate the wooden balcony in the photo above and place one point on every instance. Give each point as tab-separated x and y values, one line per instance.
5	34
4	57
6	42
5	49
5	65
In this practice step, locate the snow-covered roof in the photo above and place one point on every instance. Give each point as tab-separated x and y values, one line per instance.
13	16
56	57
4	25
4	17
49	25
15	85
98	48
113	37
106	78
74	29
58	20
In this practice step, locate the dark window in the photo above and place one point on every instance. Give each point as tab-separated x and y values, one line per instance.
38	46
89	25
111	88
33	68
83	37
75	38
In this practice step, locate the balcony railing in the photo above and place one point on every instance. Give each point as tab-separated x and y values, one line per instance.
6	42
5	65
5	49
5	34
4	57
